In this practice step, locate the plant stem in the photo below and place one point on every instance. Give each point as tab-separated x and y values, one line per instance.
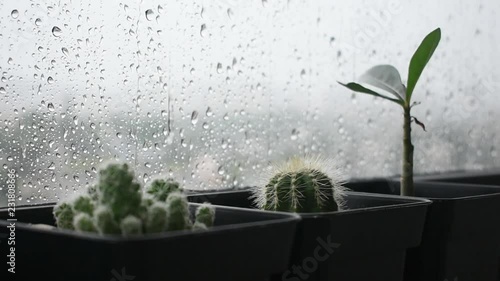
407	188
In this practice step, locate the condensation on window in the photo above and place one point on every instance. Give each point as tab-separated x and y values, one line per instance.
213	92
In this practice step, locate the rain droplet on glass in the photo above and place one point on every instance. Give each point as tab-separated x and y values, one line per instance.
194	117
203	30
65	51
56	31
14	14
149	15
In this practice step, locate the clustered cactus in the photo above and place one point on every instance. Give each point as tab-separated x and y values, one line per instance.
302	186
115	205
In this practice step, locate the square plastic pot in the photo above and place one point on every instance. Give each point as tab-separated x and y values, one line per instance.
368	241
242	245
461	235
471	177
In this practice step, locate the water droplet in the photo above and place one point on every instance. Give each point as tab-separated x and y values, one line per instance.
56	31
2	90
50	106
38	22
219	68
14	14
76	178
230	13
194	117
332	41
10	158
302	73
119	135
203	30
295	134
160	9
183	143
209	112
50	80
226	116
65	51
10	61
52	166
150	15
205	125
221	170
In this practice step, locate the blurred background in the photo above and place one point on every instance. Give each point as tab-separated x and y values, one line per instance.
213	92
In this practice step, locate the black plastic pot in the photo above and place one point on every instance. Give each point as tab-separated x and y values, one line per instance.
366	242
471	177
242	245
461	236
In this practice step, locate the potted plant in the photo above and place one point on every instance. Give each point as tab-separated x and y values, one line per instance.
460	239
115	232
342	235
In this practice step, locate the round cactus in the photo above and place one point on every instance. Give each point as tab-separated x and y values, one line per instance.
302	186
83	222
177	212
105	221
205	214
131	225
84	204
157	218
64	214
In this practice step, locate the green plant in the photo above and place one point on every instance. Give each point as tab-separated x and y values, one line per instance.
115	205
302	185
388	79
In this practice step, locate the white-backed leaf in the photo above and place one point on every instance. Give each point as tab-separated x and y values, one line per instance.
385	77
360	89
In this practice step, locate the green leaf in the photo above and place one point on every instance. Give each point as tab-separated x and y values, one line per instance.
420	60
360	89
387	78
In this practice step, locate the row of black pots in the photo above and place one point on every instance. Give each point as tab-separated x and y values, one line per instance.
378	237
381	236
243	244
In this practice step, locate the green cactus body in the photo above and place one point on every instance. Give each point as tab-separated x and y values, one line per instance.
205	214
131	225
83	222
160	189
177	212
157	218
300	186
84	204
64	215
115	205
105	221
118	190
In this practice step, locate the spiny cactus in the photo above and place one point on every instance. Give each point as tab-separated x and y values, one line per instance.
160	189
177	212
302	185
205	215
115	205
64	215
